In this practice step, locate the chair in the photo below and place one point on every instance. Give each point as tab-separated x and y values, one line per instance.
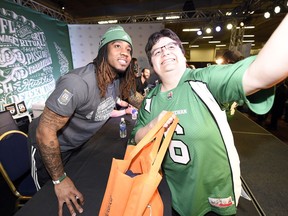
15	165
7	122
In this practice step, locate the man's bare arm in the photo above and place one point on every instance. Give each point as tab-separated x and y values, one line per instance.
46	134
270	66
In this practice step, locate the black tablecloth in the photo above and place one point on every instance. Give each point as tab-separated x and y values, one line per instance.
263	164
89	169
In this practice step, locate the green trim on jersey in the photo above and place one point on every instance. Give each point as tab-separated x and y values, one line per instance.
197	167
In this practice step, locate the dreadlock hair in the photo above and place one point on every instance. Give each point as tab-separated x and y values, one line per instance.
128	83
105	75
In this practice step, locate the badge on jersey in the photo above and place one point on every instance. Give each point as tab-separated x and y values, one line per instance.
221	202
170	95
65	97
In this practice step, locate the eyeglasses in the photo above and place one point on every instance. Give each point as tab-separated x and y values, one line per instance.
158	51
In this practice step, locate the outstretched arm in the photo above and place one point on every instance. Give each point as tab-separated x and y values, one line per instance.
271	64
49	147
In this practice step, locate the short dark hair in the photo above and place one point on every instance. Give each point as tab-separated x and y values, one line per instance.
231	56
155	37
142	71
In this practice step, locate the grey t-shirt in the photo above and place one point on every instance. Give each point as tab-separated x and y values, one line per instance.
77	95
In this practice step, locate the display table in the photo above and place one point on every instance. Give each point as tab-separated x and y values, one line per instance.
263	165
89	169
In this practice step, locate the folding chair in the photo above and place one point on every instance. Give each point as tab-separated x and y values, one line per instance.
15	165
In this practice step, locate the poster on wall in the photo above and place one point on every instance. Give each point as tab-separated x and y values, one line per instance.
34	52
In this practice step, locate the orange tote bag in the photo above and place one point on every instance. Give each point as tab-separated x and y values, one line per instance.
132	187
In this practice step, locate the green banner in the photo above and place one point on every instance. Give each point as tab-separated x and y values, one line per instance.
34	52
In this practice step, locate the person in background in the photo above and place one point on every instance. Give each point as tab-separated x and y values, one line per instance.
202	164
190	66
153	79
231	57
134	98
83	100
277	110
142	81
135	66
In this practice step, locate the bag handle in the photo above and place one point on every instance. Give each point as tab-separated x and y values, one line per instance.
165	144
150	135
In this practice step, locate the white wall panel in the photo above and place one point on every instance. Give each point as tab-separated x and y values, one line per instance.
84	40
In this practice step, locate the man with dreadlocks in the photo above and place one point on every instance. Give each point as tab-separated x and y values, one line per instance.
81	103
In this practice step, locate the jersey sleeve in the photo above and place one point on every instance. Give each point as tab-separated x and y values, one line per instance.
261	102
68	95
225	83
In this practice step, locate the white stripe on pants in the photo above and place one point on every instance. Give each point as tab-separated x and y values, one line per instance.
34	168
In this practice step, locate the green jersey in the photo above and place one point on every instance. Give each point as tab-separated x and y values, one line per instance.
202	165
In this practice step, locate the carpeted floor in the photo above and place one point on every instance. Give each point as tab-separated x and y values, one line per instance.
282	130
263	154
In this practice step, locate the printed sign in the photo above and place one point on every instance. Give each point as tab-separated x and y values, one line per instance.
34	52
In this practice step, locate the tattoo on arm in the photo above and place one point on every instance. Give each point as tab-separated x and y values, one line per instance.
49	124
52	120
51	157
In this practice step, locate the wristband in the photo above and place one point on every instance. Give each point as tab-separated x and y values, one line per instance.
60	179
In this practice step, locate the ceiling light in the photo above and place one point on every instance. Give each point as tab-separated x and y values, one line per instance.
191	30
219	61
193	46
199	32
220	45
107	22
159	18
229	26
248	35
102	22
218	28
205	37
208	30
172	17
248	41
277	9
267	15
247	27
183	43
214	42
